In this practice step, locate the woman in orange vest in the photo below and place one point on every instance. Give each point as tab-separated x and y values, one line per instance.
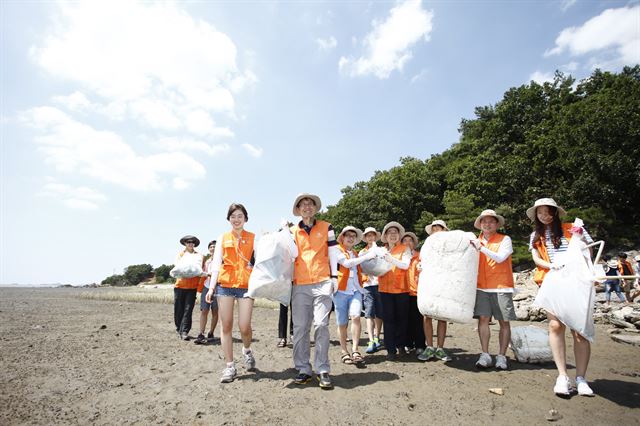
230	270
184	291
415	329
394	290
348	299
549	240
494	296
431	352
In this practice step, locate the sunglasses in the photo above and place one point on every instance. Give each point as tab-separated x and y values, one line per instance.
190	242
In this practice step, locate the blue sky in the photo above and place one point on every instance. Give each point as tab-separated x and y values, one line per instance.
127	125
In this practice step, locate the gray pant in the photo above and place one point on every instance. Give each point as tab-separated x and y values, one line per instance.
309	303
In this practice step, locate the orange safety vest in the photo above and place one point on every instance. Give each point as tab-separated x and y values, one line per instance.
394	281
344	273
413	274
236	256
621	267
312	264
493	275
539	274
190	283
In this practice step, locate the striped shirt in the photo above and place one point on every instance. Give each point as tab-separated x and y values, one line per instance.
564	243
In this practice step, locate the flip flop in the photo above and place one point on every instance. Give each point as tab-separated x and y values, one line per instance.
346	359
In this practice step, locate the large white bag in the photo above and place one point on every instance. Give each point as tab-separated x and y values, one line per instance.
531	344
273	270
377	266
189	265
569	293
448	281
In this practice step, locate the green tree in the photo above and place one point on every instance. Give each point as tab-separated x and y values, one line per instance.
162	273
114	280
135	274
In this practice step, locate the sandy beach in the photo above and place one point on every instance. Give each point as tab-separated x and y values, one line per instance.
69	360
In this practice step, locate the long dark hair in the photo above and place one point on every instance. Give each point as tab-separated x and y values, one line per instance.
555	227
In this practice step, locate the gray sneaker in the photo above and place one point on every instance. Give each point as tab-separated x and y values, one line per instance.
249	361
228	374
427	354
442	355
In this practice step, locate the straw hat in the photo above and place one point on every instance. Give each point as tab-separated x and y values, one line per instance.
353	229
371	229
391	225
413	236
531	211
491	213
186	238
435	222
313	197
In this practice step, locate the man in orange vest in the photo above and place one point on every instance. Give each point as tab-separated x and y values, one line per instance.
494	296
315	279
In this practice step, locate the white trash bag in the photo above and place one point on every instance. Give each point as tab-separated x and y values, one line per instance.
531	345
189	265
449	277
273	270
377	266
569	293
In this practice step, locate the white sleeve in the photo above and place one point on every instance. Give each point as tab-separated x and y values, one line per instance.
216	261
334	253
404	262
350	263
504	251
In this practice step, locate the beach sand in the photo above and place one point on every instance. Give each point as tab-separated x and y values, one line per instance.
77	361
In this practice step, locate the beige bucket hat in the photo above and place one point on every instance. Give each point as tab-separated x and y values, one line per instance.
413	236
531	211
313	197
391	224
440	222
350	228
491	213
371	229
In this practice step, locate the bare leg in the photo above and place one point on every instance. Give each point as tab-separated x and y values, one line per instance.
245	311
427	324
356	329
505	336
203	320
557	343
442	333
582	352
225	307
342	333
484	333
214	320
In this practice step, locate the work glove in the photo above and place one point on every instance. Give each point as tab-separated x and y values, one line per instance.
334	285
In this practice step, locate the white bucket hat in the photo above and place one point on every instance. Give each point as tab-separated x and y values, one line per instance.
531	211
353	229
413	236
371	229
612	263
391	225
435	222
313	197
491	213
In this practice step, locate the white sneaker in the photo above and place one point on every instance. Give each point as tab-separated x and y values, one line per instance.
484	361
563	386
228	374
501	362
249	361
583	387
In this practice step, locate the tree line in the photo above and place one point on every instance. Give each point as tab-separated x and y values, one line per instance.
576	142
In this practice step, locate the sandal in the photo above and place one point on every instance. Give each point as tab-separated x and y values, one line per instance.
346	358
282	343
357	359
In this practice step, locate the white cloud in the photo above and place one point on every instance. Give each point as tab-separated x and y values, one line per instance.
388	45
149	62
80	197
566	4
181	144
73	147
542	77
327	44
422	74
253	151
615	33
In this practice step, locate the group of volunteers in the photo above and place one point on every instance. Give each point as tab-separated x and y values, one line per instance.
327	273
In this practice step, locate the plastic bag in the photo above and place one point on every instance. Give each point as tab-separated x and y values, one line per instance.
568	293
273	270
377	266
188	266
448	281
531	345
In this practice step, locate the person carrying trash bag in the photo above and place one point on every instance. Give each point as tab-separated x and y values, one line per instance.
231	268
315	279
494	295
185	289
394	290
371	299
348	299
548	244
415	329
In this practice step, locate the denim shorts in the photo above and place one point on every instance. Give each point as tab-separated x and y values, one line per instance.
372	302
238	293
203	301
347	306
